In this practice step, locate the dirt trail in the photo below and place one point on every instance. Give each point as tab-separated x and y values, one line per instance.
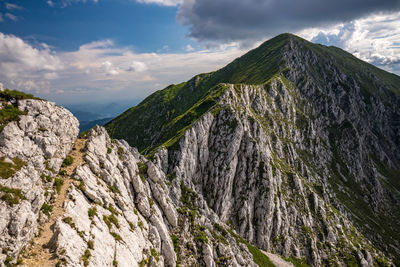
277	260
38	254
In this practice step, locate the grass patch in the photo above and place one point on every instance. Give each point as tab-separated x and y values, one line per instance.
297	262
92	212
8	169
85	257
111	219
11	196
69	221
67	161
8	114
8	95
116	236
58	183
46	209
259	257
154	253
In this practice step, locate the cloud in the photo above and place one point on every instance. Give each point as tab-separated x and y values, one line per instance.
109	68
65	3
232	20
375	39
10	6
137	66
19	59
11	16
100	70
161	2
189	48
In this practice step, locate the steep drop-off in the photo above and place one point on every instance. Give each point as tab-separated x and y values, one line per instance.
292	143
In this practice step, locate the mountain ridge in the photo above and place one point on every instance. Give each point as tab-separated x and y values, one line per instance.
175	100
329	112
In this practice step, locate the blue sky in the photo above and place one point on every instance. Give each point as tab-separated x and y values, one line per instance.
73	51
146	28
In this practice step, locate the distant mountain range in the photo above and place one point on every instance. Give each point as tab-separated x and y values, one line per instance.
91	114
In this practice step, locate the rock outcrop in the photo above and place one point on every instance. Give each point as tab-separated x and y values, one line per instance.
287	155
123	211
32	150
294	144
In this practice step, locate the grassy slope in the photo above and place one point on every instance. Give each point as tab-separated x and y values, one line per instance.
149	124
145	125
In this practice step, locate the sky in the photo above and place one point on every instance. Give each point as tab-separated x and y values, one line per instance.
77	51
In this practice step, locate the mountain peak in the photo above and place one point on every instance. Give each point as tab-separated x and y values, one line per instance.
284	53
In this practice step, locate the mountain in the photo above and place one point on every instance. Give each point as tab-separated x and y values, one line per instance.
95	201
87	125
288	156
279	139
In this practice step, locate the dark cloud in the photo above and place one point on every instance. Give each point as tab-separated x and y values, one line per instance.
232	20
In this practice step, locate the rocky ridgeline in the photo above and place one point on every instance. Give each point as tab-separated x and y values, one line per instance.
303	166
32	150
253	173
124	211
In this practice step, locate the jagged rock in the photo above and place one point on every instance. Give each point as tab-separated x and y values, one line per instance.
41	139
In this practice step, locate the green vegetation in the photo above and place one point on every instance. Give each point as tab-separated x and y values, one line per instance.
11	196
172	109
46	209
113	189
83	134
92	212
46	178
111	219
8	95
116	236
67	161
154	253
297	262
259	257
8	114
58	183
8	169
90	244
69	221
163	117
85	257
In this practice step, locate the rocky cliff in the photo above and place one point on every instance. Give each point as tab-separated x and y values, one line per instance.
285	157
294	144
36	137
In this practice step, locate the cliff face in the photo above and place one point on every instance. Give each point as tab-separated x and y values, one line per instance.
32	150
304	164
290	151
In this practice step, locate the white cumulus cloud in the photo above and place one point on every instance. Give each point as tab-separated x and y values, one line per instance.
374	38
109	68
19	61
137	66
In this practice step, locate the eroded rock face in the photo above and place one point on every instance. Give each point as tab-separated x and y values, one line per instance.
40	141
255	166
124	211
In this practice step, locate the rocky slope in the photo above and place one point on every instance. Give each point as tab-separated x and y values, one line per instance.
293	144
287	156
33	146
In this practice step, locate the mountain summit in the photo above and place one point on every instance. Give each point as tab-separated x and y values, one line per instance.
287	156
153	121
279	139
